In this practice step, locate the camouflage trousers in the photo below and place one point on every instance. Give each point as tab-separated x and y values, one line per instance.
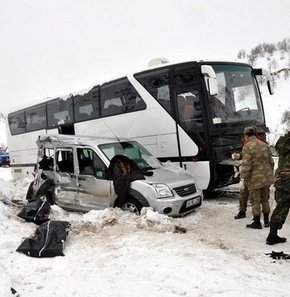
260	197
281	210
243	198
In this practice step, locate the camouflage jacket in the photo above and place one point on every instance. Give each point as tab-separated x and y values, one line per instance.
257	164
282	174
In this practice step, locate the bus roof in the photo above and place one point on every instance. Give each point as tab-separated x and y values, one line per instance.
86	90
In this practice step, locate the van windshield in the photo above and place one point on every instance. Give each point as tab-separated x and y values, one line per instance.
133	151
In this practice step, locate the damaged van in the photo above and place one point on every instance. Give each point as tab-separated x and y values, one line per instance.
76	173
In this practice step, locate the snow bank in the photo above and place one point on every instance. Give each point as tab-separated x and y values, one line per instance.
112	253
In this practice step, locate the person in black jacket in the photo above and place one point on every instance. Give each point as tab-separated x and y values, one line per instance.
123	171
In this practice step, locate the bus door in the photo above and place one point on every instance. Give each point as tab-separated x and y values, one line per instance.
93	189
190	118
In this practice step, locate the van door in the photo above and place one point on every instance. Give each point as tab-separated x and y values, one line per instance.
94	190
65	178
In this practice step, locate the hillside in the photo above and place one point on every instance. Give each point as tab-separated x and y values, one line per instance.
275	57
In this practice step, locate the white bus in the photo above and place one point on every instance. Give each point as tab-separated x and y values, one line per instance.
192	113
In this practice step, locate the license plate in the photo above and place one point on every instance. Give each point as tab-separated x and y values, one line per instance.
192	202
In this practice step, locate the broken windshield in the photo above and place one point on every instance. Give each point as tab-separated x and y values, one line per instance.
133	151
238	97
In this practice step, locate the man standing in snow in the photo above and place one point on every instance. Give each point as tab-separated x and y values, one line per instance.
282	193
257	175
244	192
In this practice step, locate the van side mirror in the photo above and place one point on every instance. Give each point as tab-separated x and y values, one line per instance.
210	79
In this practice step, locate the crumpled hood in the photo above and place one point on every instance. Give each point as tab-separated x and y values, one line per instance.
172	179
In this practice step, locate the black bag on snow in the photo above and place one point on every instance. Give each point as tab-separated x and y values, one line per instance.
48	240
36	211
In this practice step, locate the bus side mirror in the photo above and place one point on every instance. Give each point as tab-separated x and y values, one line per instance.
212	86
270	87
210	79
268	76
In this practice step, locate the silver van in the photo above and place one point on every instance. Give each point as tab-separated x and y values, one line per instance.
72	172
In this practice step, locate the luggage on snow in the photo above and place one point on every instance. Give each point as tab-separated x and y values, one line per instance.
48	240
36	211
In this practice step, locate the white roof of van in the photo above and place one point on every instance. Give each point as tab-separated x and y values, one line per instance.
64	140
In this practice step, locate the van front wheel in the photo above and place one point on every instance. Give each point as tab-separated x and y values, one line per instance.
132	205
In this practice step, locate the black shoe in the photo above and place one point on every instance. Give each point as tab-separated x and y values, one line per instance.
240	215
255	225
266	220
273	239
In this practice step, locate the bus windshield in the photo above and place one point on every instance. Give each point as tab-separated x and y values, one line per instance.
238	98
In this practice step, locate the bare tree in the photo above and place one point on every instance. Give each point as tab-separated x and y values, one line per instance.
269	47
284	45
286	73
285	120
242	54
252	59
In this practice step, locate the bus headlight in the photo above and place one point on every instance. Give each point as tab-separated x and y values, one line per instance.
162	190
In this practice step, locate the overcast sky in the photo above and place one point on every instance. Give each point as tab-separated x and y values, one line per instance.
54	47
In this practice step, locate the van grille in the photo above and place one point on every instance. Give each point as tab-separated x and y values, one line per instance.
185	190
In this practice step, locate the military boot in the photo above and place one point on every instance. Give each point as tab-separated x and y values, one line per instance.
240	215
266	220
256	224
273	238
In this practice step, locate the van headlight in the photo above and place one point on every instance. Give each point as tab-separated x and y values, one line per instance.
162	190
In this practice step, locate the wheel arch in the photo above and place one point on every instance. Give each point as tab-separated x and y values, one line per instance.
135	195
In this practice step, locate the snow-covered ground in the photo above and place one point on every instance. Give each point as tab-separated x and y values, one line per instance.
114	253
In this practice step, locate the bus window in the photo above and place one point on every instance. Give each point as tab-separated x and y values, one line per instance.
119	97
86	106
189	108
190	116
185	78
17	122
157	84
60	112
36	118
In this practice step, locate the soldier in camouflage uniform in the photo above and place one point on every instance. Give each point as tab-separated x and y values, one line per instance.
244	192
257	175
282	193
